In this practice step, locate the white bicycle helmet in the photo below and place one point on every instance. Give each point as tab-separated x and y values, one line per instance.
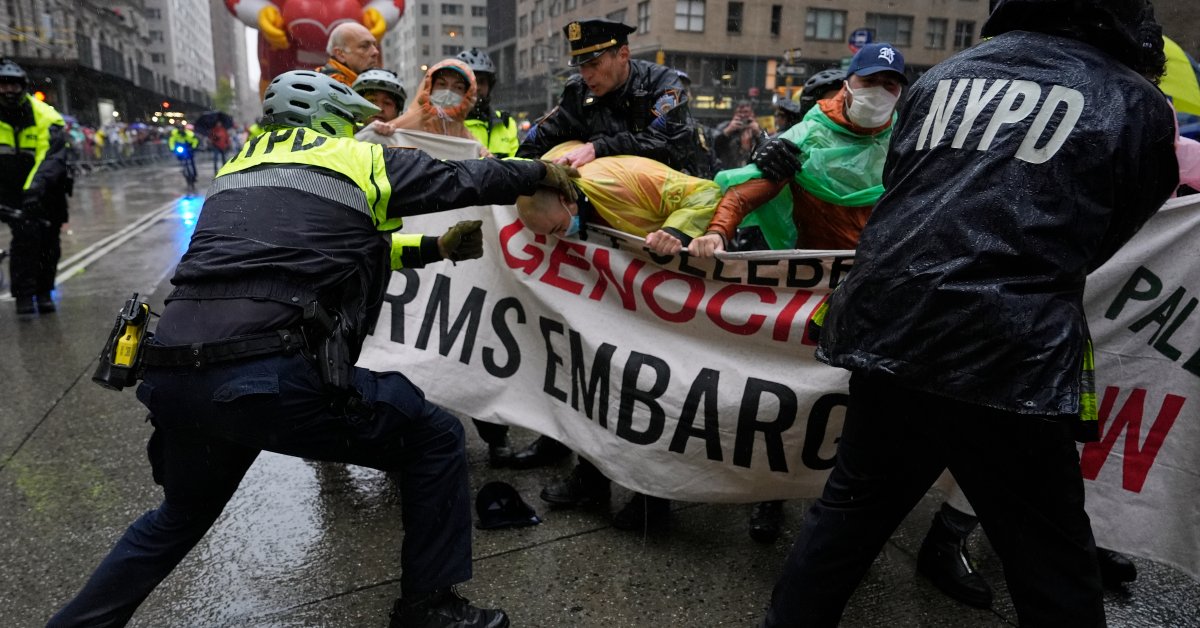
312	100
384	81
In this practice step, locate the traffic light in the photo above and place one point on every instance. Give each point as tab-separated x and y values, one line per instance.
40	95
166	104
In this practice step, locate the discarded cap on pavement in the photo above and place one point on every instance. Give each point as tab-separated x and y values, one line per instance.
499	505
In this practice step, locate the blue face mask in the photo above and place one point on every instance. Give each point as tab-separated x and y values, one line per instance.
572	228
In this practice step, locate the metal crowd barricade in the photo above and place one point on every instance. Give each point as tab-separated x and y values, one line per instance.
86	158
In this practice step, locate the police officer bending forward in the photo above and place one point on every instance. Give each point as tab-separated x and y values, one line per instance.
286	262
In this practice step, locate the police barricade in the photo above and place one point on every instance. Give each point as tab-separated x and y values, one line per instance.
86	158
691	379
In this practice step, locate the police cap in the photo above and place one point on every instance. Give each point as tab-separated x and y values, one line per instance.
591	38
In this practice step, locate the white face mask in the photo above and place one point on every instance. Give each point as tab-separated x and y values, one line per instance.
445	98
870	107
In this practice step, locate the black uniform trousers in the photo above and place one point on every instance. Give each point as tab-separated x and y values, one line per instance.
210	425
1020	472
33	256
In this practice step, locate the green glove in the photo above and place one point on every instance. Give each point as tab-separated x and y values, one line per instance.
559	177
462	241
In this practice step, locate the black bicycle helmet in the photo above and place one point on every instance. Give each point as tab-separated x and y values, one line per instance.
816	86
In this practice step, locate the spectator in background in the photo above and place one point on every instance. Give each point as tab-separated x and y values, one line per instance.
735	140
218	141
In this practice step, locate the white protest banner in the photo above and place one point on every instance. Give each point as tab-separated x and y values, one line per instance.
691	379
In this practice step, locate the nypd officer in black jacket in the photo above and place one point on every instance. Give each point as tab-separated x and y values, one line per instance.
962	322
615	105
256	345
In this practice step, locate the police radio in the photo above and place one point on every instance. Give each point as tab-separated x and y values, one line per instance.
121	358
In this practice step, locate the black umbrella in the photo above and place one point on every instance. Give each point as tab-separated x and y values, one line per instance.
206	122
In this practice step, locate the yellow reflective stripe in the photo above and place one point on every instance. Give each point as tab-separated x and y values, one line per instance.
382	186
818	317
400	241
360	162
43	117
1087	385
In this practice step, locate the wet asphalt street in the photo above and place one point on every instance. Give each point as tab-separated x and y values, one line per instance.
306	544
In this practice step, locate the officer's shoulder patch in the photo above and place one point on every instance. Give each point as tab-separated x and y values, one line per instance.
668	101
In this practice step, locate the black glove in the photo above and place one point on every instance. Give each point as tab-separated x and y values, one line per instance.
778	159
559	177
462	241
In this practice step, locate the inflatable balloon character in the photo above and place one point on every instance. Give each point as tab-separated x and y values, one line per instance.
292	34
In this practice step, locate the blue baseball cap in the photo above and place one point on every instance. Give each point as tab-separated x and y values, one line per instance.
881	57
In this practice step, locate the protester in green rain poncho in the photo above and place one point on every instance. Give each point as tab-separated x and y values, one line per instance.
841	145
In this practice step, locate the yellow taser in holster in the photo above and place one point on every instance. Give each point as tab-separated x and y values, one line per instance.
121	359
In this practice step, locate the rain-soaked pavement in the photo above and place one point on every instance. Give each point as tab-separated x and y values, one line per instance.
305	544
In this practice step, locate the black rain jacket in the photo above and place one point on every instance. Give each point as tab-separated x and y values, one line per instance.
647	117
1017	167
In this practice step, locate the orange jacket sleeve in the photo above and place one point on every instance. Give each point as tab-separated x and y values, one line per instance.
739	201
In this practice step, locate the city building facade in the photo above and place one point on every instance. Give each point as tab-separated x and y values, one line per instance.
732	50
91	60
432	30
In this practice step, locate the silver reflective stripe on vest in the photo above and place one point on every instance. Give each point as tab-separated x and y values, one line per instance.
322	185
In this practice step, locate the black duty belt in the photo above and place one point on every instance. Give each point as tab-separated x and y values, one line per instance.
201	354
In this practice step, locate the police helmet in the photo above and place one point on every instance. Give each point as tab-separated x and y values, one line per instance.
310	99
477	60
816	86
10	72
378	79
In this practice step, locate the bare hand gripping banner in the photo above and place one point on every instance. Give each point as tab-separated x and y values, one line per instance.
691	379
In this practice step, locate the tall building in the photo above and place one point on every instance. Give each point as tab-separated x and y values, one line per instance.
91	60
432	30
181	47
229	63
733	50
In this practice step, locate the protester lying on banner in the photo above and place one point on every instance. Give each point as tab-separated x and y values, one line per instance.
641	197
963	323
841	143
636	195
443	100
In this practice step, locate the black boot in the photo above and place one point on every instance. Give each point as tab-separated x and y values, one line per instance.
944	560
585	485
25	306
499	453
1115	568
543	451
766	521
444	608
643	512
45	304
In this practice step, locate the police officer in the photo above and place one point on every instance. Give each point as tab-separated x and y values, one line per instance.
495	129
255	347
615	105
182	143
962	322
34	184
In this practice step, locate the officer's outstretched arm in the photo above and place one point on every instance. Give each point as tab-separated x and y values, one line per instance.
421	184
